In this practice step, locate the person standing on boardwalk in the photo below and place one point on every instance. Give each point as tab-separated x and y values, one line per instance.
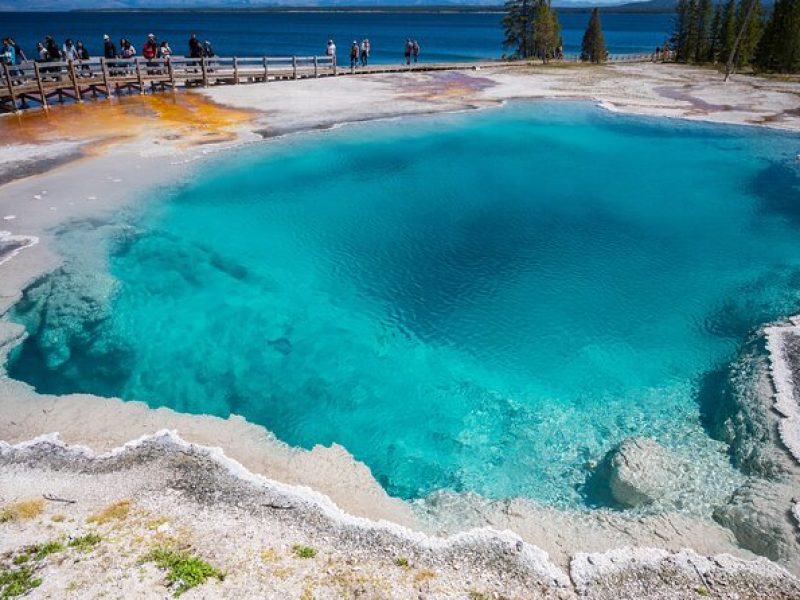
109	49
415	50
41	52
331	51
195	48
53	53
165	51
408	50
365	48
19	53
150	48
354	55
68	51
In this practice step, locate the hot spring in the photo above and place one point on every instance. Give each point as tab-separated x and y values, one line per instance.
481	302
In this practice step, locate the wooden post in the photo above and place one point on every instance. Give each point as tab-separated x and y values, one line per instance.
266	70
75	87
235	71
139	78
39	84
10	86
205	71
104	68
294	67
316	68
171	71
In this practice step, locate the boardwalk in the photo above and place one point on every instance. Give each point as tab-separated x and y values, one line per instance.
40	84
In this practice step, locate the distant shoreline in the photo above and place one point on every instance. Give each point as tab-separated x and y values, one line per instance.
433	9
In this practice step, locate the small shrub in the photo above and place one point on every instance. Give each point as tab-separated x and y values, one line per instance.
22	511
86	542
702	590
401	561
41	551
14	583
473	595
184	570
21	559
57	518
113	512
304	551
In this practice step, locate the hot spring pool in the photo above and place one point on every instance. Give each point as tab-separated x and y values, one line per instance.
475	302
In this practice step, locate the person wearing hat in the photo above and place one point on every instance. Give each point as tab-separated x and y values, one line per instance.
354	52
109	49
331	51
150	51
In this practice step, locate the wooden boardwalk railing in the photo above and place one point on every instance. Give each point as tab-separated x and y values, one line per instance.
41	83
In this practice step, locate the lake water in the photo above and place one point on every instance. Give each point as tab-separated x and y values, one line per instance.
478	302
443	37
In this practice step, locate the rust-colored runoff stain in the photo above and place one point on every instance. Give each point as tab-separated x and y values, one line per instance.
183	117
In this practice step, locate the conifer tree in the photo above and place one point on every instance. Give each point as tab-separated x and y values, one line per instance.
517	26
751	34
593	47
692	33
779	49
681	29
727	30
714	39
546	30
705	32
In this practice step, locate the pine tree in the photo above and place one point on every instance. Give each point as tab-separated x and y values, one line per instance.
779	49
727	31
517	28
593	48
546	30
681	29
716	26
705	32
692	34
753	30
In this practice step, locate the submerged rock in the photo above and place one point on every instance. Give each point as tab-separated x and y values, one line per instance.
639	471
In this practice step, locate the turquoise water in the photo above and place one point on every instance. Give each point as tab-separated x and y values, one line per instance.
478	302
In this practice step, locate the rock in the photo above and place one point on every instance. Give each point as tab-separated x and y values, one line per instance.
639	471
759	514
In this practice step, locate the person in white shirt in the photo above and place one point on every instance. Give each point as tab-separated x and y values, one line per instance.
332	50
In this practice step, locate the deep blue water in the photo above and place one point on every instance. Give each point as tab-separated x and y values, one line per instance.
479	302
443	37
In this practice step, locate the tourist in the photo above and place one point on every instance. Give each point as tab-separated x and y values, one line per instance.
68	51
128	49
109	49
81	51
195	48
415	50
365	48
53	53
19	53
150	48
165	51
7	54
208	50
331	51
41	52
354	55
409	48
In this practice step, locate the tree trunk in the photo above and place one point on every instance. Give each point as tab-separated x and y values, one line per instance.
730	66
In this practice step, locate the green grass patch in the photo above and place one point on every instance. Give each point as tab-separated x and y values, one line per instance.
42	551
21	559
401	561
184	570
86	542
304	551
16	582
